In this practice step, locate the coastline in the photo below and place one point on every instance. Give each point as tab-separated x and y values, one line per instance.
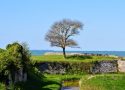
111	53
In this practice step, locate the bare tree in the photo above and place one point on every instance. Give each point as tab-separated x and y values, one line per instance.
61	32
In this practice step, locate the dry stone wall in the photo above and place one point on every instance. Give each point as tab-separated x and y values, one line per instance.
113	66
105	67
64	67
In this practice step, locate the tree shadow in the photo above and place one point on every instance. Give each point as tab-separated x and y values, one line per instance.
79	57
36	82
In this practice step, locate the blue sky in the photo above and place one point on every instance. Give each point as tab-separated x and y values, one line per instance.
29	20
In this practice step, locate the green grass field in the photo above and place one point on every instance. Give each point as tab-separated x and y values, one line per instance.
37	81
103	82
60	58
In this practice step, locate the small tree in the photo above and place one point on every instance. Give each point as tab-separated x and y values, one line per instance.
61	32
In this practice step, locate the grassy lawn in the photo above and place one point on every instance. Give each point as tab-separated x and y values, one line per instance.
60	58
38	81
59	79
88	82
103	82
47	82
44	83
64	77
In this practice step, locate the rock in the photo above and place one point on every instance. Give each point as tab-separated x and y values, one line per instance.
121	66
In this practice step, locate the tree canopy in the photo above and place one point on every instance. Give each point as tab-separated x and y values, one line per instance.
60	34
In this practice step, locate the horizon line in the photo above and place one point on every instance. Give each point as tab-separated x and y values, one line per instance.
77	50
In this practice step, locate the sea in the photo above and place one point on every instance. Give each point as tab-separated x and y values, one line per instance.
116	53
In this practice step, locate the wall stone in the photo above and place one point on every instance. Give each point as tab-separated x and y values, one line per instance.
105	67
121	66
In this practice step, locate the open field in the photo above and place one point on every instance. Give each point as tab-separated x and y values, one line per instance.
60	58
103	82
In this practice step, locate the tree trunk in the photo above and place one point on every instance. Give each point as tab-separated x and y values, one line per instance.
64	53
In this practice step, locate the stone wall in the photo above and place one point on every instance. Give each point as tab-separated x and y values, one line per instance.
52	68
105	67
113	66
64	67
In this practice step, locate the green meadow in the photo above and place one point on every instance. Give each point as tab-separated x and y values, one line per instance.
103	82
39	81
87	81
71	58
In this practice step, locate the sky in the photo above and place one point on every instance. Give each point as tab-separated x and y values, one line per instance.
29	21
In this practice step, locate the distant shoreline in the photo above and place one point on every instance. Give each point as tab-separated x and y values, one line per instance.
115	53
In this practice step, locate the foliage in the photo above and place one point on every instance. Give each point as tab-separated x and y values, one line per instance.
2	50
15	57
2	86
20	53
